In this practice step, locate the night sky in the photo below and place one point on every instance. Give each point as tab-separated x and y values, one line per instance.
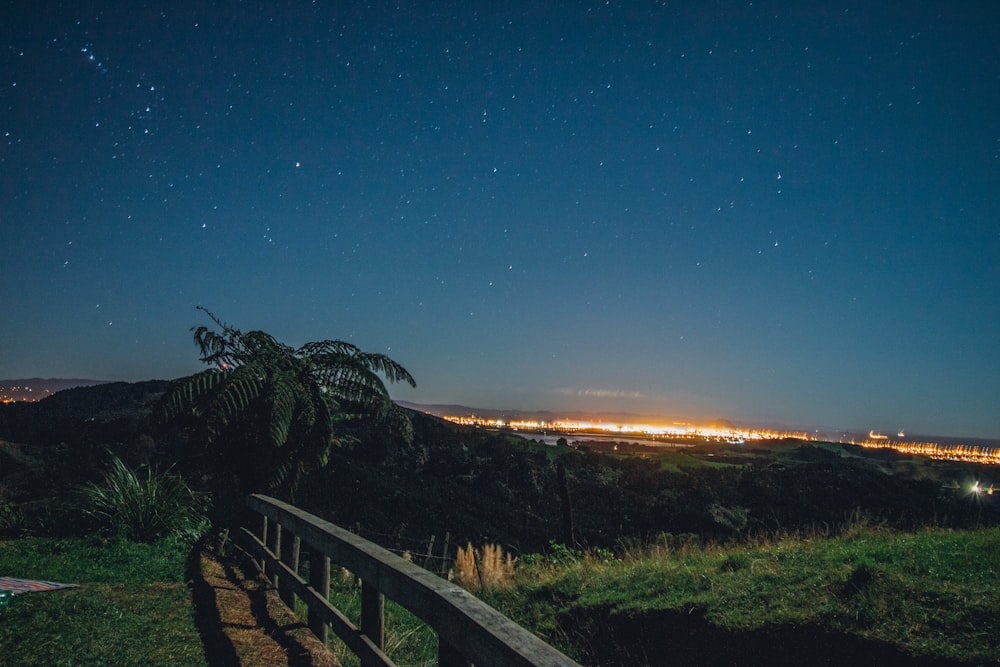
764	211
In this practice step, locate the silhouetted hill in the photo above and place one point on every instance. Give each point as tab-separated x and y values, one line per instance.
106	411
478	485
446	409
482	486
61	442
35	389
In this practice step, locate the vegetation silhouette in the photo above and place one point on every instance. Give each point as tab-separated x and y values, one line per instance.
267	413
465	484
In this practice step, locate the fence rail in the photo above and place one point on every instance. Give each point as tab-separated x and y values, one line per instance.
469	631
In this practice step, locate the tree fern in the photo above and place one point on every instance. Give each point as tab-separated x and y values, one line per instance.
280	403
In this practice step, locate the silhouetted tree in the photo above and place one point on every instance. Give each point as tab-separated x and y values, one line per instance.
568	526
274	409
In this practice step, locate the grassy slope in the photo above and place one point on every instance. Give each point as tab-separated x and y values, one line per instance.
933	593
132	606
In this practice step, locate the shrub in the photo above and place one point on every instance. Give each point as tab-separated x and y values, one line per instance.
10	518
143	505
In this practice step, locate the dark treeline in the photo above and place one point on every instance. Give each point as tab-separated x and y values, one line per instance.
487	487
101	414
480	486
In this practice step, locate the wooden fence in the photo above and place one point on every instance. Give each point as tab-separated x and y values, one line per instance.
469	631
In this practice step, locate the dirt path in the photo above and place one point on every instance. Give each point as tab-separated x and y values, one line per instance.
244	622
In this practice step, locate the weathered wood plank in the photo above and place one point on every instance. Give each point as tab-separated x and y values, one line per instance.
319	579
290	557
372	615
468	625
317	604
448	656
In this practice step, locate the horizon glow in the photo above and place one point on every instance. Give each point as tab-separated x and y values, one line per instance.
777	215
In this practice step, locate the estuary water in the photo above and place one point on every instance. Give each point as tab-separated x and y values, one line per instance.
552	439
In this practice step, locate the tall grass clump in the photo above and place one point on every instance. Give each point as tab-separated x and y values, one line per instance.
487	568
143	505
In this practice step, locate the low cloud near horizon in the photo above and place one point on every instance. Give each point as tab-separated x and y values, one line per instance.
599	393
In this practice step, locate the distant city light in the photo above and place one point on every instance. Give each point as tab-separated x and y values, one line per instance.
965	453
14	394
732	435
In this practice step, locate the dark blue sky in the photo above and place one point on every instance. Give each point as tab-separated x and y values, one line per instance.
781	211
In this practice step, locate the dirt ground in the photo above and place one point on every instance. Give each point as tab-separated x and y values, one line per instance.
244	622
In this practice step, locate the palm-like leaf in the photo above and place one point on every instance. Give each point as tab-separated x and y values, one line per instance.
286	401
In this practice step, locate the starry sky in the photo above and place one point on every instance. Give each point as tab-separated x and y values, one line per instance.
765	211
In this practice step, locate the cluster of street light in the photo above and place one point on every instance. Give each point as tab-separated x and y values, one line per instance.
652	431
966	453
687	432
13	394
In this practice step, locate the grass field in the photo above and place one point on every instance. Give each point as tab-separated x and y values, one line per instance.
932	595
929	594
131	607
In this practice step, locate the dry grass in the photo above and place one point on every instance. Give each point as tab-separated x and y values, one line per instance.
487	568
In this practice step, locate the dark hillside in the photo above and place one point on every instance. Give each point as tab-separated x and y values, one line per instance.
482	486
619	640
60	442
110	412
472	484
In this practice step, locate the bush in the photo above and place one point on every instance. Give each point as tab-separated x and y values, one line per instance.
10	518
144	505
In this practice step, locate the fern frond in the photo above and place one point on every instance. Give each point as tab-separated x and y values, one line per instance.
185	395
283	406
282	411
362	387
328	362
234	398
380	363
334	348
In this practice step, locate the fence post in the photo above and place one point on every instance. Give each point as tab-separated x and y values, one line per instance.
262	565
467	630
448	655
444	556
372	614
430	554
275	547
291	559
479	566
319	579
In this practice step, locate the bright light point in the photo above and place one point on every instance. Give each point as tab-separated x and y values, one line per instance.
298	164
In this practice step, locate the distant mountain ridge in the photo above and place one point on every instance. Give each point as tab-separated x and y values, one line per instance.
442	409
36	389
826	434
51	383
